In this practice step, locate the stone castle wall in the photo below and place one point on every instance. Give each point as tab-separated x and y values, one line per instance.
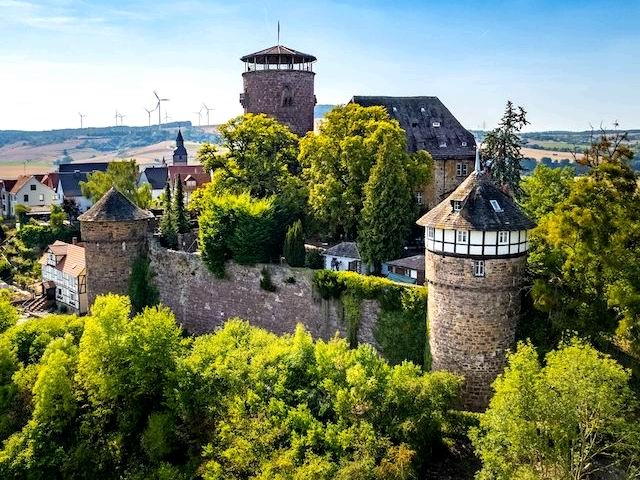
472	320
444	180
264	91
202	302
111	248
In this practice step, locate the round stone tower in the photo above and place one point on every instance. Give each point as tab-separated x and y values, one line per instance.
114	232
278	82
476	251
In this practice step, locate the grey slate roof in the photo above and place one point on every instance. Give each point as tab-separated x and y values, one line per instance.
415	262
114	207
278	54
416	115
156	176
71	183
83	167
344	249
476	213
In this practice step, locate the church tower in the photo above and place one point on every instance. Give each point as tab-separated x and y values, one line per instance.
279	82
180	153
476	253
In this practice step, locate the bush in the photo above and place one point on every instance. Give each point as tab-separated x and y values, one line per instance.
294	245
265	280
313	259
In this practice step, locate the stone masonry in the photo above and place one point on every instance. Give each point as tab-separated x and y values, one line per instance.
472	320
444	180
202	302
266	91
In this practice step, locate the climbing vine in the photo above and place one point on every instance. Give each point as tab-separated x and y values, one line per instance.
401	328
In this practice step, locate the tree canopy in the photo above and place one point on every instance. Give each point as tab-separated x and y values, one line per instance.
120	174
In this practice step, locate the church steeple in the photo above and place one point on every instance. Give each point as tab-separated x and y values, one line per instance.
180	153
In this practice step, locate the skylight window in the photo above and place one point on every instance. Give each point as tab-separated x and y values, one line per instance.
464	144
423	110
496	206
395	109
435	124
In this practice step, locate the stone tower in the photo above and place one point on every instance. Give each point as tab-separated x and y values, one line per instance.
278	82
114	232
180	153
476	252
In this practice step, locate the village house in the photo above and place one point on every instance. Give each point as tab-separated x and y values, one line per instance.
69	177
405	270
344	256
63	265
5	190
28	190
156	177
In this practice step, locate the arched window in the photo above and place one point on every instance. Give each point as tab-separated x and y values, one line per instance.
287	96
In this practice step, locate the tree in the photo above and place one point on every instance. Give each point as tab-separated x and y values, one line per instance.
120	174
21	213
168	229
565	420
8	314
501	147
142	292
387	213
261	156
57	218
607	147
71	208
337	163
544	189
179	212
294	251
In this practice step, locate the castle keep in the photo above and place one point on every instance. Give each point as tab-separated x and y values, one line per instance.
476	253
114	232
278	82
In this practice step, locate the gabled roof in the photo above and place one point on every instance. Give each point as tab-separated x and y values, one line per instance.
156	176
21	181
8	184
475	195
50	180
344	249
278	54
196	172
417	117
70	183
114	207
416	262
83	167
72	258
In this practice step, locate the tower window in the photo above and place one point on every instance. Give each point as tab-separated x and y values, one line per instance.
462	236
419	198
478	268
495	205
287	97
431	233
457	205
503	238
461	169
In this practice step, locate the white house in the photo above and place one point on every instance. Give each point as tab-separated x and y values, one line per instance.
344	256
156	178
64	264
30	192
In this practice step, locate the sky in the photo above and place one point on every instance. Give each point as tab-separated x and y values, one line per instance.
570	64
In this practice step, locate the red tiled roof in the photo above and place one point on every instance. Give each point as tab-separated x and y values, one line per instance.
73	259
193	172
51	180
20	182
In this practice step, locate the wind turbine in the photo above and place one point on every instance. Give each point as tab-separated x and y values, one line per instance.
149	113
199	113
121	117
81	118
208	110
160	100
166	117
116	117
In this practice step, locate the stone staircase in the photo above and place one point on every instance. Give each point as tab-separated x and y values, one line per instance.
38	305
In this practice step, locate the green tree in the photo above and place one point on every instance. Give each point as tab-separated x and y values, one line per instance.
57	219
179	212
294	251
567	419
501	147
168	229
120	174
21	213
544	189
337	163
387	213
8	314
260	156
142	291
71	208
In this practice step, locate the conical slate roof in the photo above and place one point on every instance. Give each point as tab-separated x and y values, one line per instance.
476	195
114	207
278	54
179	138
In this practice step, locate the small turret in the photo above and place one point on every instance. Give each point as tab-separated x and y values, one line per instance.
180	153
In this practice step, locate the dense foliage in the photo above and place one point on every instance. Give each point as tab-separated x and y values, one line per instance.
567	419
294	251
122	175
142	291
122	397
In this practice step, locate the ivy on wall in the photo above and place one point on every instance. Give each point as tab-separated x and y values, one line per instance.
401	328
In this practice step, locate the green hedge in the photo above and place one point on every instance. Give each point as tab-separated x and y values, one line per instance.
401	329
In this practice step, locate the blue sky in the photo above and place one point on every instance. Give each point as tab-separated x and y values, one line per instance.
570	64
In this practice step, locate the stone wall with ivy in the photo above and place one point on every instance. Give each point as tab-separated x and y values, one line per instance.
363	309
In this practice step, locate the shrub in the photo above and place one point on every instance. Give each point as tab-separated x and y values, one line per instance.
265	280
294	245
313	259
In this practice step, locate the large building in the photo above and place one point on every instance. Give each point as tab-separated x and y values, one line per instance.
278	82
430	126
476	253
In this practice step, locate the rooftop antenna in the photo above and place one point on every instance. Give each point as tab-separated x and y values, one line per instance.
208	110
82	118
160	100
149	113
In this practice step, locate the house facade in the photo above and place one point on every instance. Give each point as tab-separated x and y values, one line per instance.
70	175
406	270
29	191
344	256
64	264
156	177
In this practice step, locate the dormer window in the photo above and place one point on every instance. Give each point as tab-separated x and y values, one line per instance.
457	205
443	144
435	124
496	206
423	110
394	109
51	259
464	144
